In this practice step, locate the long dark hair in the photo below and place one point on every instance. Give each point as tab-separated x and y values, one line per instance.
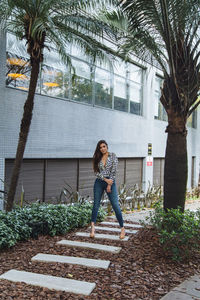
98	155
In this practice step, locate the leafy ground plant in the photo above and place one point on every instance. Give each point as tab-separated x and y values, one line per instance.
49	219
179	232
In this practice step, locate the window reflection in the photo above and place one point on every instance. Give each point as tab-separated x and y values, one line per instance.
135	88
52	81
81	88
18	71
54	77
135	73
103	91
135	96
120	95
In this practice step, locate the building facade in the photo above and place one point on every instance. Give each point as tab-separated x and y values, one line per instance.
118	103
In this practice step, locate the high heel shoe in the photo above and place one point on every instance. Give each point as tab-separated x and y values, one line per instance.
92	235
122	234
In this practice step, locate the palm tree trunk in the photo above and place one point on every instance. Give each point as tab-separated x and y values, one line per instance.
23	135
176	169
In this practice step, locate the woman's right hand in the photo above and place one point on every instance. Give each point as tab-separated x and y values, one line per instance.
109	181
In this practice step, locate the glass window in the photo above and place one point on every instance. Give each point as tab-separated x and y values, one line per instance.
135	96
135	88
77	52
120	94
159	111
18	71
54	77
18	66
135	73
120	67
16	46
81	88
103	90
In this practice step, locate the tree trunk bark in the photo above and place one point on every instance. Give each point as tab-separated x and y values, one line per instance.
23	135
176	170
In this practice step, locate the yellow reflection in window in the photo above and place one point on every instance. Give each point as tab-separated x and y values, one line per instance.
17	76
51	84
16	61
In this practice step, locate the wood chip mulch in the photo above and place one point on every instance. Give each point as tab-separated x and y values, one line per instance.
139	271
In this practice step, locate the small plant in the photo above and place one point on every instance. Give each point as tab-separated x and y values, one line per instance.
68	195
137	196
179	233
193	194
123	192
153	194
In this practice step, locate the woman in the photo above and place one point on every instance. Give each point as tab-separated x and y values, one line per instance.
105	167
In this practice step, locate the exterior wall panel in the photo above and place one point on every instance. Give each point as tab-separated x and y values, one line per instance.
134	171
120	172
30	179
86	177
59	174
158	171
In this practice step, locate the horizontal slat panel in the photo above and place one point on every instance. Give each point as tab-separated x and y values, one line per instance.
120	172
59	173
162	171
31	178
134	171
86	177
158	171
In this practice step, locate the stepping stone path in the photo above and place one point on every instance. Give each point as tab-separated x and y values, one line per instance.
114	229
125	224
99	247
103	236
94	263
50	282
65	284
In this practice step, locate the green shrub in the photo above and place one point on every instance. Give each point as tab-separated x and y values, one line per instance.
7	236
179	233
30	221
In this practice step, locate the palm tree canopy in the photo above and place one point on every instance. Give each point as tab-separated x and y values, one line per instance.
168	32
58	23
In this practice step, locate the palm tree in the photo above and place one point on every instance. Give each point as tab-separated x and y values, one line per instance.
167	32
39	23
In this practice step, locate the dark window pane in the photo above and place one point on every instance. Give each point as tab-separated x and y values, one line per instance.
135	108
121	104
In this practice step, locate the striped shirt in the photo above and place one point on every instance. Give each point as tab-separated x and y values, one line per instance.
110	168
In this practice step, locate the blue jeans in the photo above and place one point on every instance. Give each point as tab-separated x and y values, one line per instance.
99	187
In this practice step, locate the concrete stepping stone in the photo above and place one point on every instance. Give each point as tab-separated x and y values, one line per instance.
189	289
50	282
103	236
88	262
93	246
125	224
114	229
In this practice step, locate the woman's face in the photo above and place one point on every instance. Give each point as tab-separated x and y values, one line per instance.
103	148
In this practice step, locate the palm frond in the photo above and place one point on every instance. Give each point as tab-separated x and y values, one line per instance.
60	22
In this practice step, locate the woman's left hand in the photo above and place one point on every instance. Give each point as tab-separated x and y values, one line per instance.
108	189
